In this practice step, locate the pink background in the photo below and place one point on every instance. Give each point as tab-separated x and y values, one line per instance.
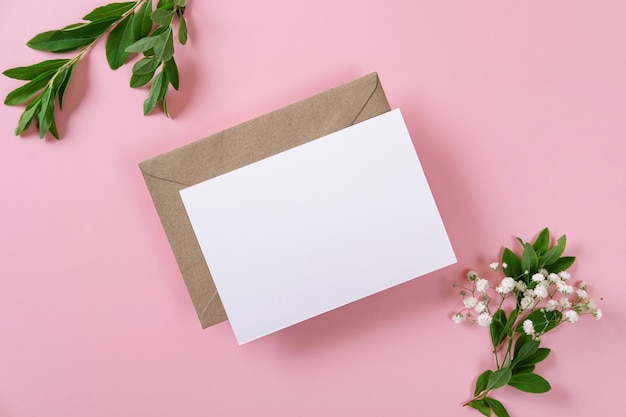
517	110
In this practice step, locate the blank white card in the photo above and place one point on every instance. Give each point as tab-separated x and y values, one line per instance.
318	226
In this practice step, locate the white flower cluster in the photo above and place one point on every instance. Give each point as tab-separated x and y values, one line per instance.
545	291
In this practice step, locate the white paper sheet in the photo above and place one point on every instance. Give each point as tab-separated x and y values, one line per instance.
318	226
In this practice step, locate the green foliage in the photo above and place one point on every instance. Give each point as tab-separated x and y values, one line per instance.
110	10
542	242
118	40
526	351
172	72
511	264
530	262
497	328
481	382
499	378
543	320
529	382
522	352
561	264
482	406
32	71
497	407
130	27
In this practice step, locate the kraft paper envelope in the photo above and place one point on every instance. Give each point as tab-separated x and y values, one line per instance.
251	141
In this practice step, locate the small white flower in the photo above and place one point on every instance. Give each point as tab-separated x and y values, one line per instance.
564	288
571	316
458	318
582	294
484	319
565	302
472	275
527	303
541	291
504	265
482	285
590	304
564	275
529	329
582	285
538	277
470	302
520	286
480	307
494	266
554	278
551	305
544	272
506	285
597	314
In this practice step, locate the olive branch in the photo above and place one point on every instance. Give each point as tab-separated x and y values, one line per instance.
131	27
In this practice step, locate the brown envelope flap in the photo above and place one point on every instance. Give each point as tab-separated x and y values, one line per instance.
259	138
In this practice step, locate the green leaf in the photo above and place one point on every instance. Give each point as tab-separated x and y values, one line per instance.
529	260
561	264
163	17
526	369
46	112
509	322
164	47
65	82
530	383
164	104
142	21
181	3
32	71
520	342
92	29
119	39
163	92
53	128
165	4
497	407
142	44
139	80
23	93
540	355
526	351
72	38
497	329
110	10
27	116
481	382
542	242
499	378
543	321
513	266
153	95
182	30
146	65
172	72
481	406
555	252
58	41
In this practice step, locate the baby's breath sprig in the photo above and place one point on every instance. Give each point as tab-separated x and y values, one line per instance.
539	294
130	27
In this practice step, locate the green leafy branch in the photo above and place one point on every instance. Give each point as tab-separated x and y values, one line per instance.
538	285
131	27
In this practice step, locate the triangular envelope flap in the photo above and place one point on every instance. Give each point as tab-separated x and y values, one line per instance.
267	135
